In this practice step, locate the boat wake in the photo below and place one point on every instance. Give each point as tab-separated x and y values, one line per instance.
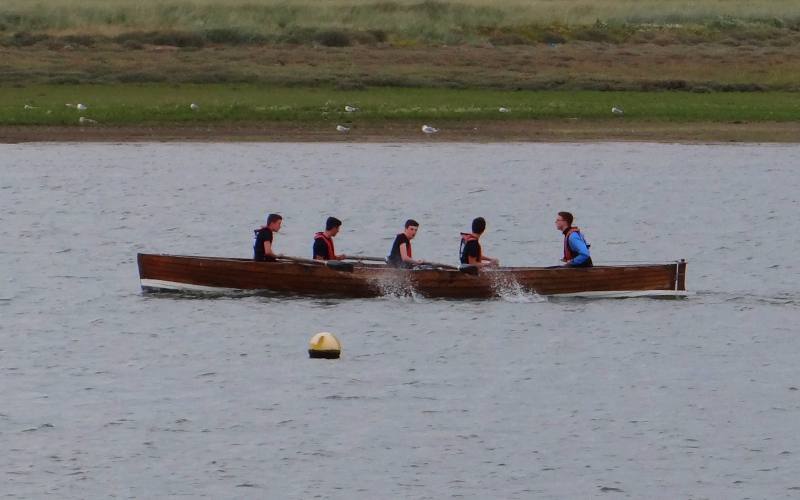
217	294
778	299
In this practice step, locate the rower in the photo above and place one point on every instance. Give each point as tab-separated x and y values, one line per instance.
400	254
470	250
323	241
576	250
262	249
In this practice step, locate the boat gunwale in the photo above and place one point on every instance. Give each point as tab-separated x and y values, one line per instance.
377	266
369	280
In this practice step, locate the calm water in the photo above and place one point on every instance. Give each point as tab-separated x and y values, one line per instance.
109	393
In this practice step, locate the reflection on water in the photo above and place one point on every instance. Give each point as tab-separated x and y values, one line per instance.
107	390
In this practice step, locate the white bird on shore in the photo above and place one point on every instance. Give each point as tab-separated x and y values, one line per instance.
429	130
194	107
504	110
84	120
342	129
81	107
617	111
28	106
350	109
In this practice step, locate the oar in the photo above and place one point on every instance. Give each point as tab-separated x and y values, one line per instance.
464	268
366	258
437	264
336	265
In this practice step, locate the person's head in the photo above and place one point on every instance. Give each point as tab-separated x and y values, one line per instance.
478	225
332	226
564	221
274	222
412	227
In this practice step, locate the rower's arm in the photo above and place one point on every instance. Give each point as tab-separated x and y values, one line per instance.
318	250
578	246
268	249
404	253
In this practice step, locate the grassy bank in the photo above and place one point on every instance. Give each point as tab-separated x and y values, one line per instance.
679	69
169	104
198	23
703	46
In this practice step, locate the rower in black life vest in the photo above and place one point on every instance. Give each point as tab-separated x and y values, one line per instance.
262	249
470	250
323	241
400	255
576	250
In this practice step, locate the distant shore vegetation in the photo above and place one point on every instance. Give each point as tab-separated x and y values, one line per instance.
404	23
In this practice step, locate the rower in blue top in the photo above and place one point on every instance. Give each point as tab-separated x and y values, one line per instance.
576	250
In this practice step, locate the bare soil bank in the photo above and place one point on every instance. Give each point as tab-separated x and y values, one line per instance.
579	65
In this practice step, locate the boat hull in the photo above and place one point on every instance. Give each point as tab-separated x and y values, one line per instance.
191	273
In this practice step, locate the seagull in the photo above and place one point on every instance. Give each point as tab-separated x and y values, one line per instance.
28	106
81	107
617	111
86	120
194	107
342	129
429	130
350	109
504	110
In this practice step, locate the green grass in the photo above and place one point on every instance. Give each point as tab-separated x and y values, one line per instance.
344	22
168	104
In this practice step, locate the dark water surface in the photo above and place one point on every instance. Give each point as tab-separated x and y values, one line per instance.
109	393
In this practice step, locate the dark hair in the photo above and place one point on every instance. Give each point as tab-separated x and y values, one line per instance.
331	223
411	222
478	225
567	217
273	218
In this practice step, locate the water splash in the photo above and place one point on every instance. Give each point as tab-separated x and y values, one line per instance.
397	287
510	290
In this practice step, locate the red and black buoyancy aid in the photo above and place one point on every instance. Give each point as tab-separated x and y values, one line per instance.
408	248
568	253
328	242
466	238
395	257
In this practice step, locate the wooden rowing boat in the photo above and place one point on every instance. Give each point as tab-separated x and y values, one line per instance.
178	272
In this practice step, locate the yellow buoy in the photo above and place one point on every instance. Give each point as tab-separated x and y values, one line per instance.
324	345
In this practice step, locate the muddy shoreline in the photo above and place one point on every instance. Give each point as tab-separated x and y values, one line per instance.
466	131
